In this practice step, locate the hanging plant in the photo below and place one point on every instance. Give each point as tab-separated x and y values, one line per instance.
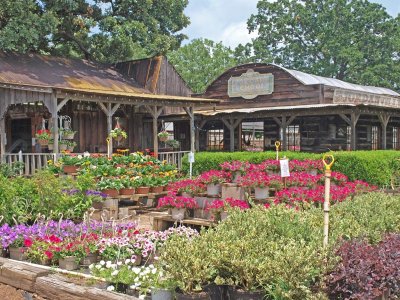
118	133
163	135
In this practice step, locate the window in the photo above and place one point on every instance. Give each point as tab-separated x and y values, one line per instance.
253	135
293	137
396	138
375	138
215	139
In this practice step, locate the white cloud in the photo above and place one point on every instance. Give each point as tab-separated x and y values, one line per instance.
237	33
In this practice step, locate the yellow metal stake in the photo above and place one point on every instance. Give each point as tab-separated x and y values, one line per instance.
328	161
108	147
277	145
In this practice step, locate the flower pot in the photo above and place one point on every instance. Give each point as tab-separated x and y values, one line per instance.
313	172
91	258
68	263
113	193
18	253
45	262
156	189
70	169
127	191
187	195
244	295
216	292
213	189
198	296
236	177
43	142
69	136
224	215
142	190
50	147
261	193
161	294
165	188
97	205
62	147
70	148
163	138
178	213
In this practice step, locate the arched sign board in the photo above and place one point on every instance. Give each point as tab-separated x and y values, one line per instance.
250	85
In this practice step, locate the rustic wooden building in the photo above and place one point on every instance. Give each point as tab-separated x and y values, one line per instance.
36	91
305	112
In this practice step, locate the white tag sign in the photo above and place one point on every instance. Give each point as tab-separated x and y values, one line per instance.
284	168
191	157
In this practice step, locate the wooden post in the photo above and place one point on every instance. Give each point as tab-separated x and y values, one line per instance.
155	112
54	116
232	124
384	121
109	111
2	139
283	124
354	120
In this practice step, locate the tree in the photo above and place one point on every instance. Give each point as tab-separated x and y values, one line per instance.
352	40
104	30
202	61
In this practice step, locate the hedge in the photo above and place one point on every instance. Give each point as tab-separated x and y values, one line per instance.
375	167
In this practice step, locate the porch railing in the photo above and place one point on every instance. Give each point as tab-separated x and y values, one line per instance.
37	161
32	161
173	158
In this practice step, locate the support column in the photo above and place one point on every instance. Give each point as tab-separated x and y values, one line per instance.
199	126
354	120
3	140
232	124
155	112
384	122
283	124
109	111
193	131
54	117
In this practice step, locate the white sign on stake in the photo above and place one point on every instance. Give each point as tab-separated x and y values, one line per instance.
284	168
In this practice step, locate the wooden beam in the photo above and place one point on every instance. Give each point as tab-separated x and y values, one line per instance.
3	139
115	108
354	119
155	112
62	103
54	116
345	118
232	124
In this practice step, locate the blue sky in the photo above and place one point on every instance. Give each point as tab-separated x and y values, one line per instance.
225	20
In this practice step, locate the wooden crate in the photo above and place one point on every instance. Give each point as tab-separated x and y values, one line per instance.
164	222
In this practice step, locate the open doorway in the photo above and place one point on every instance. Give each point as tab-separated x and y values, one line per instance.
21	136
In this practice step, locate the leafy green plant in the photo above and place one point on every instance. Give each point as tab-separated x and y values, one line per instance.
118	132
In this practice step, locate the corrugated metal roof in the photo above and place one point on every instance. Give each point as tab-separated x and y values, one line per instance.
257	109
309	79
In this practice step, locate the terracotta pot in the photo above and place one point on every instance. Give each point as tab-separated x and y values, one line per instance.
127	191
198	296
244	295
18	253
156	189
163	138
165	188
70	169
142	190
68	263
178	214
113	193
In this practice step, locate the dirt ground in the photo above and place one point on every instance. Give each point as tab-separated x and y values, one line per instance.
9	293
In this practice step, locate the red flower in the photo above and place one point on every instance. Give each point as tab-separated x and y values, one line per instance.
28	242
49	254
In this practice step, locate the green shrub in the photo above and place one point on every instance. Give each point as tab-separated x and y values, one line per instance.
278	250
375	167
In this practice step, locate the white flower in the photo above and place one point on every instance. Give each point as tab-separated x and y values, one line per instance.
80	156
102	262
114	273
154	271
151	266
110	288
127	261
91	266
119	263
136	270
86	154
98	266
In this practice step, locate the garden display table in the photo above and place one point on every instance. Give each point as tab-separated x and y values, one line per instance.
163	222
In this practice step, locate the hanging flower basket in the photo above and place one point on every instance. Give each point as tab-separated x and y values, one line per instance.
163	136
43	142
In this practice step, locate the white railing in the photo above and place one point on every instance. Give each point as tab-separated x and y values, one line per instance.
32	161
173	158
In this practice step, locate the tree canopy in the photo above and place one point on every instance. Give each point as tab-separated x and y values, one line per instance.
201	61
352	40
103	30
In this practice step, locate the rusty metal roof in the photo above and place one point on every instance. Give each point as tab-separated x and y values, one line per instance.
74	75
